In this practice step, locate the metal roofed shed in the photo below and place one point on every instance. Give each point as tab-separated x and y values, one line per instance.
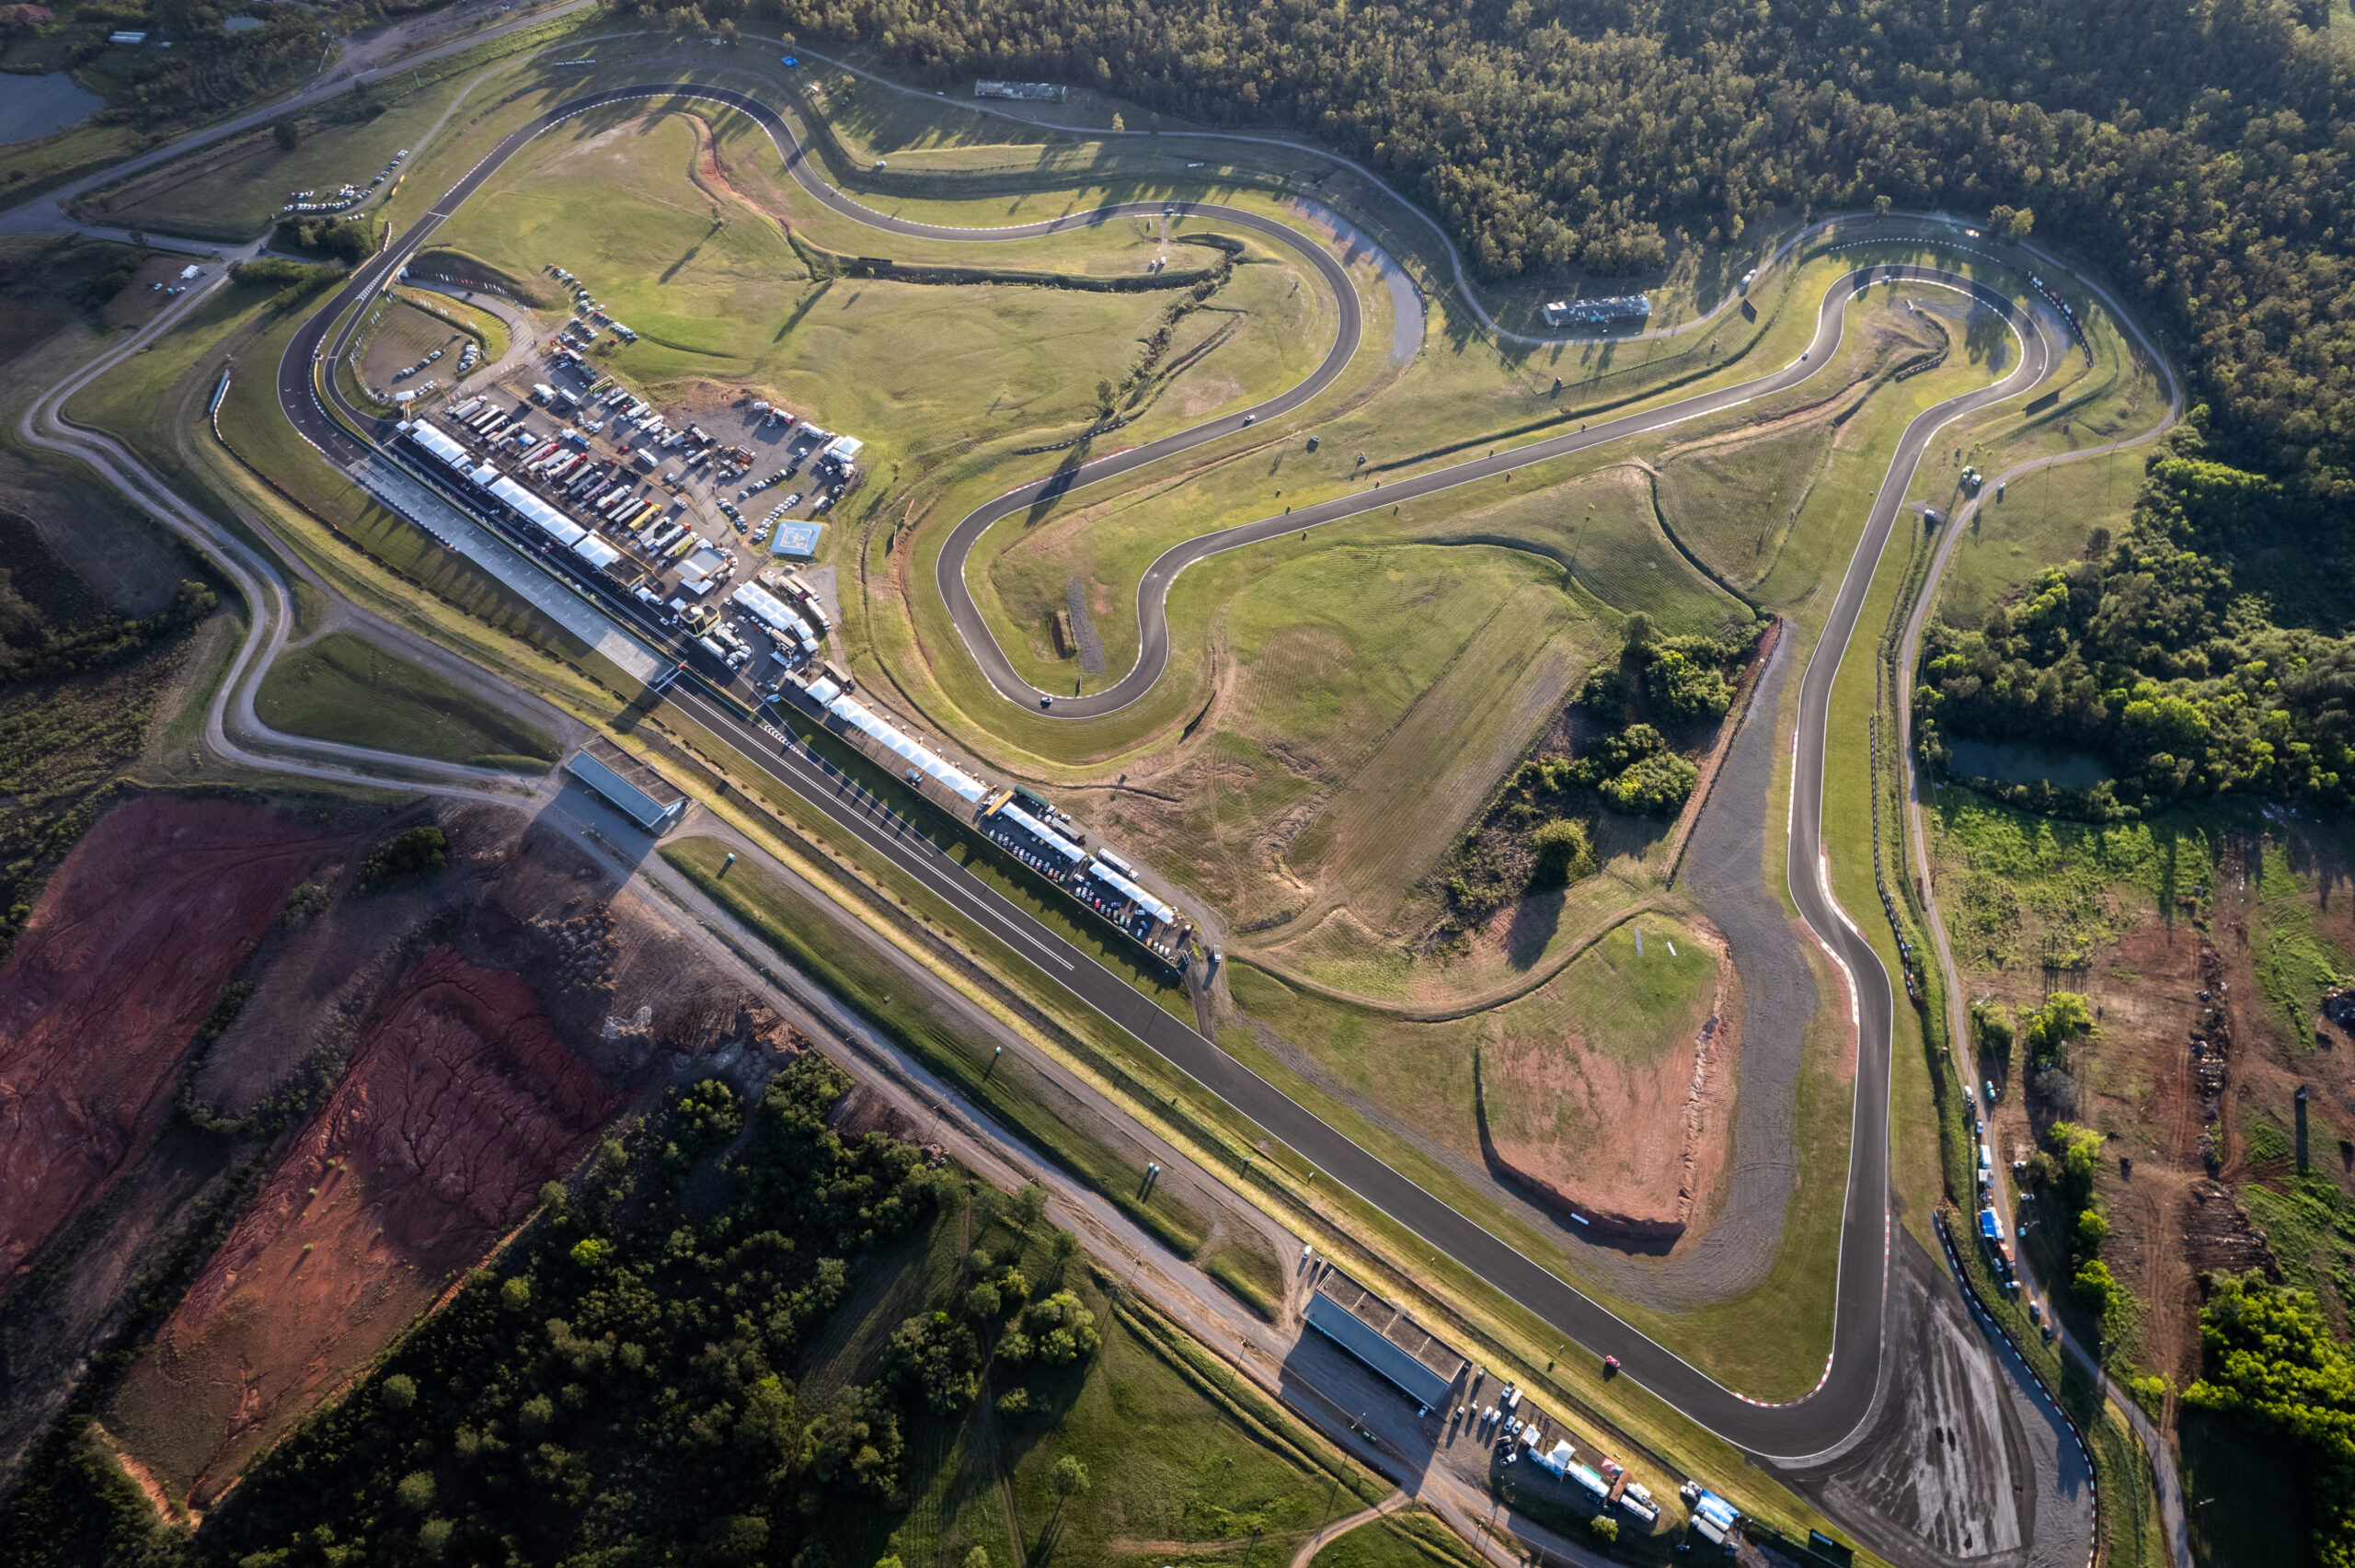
629	785
1386	1339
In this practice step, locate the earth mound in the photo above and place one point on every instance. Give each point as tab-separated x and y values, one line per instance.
459	1103
134	937
1618	1111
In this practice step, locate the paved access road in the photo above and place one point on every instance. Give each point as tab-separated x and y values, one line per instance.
1794	1430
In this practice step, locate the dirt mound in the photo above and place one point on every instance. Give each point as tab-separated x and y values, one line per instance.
138	931
461	1102
1624	1125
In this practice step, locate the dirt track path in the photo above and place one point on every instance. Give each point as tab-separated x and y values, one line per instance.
1339	1527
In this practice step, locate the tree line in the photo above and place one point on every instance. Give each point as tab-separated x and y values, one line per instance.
2203	153
2155	653
615	1391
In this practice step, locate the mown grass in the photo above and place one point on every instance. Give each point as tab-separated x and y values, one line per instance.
2044	520
1768	1341
812	940
715	292
239	186
346	689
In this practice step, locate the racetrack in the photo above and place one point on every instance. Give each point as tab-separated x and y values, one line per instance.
1794	1430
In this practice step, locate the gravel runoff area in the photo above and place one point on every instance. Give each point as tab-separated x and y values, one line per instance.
1962	1463
1723	875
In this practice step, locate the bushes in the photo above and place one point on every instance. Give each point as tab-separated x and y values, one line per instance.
2269	1357
1657	786
1565	853
414	853
1685	690
349	240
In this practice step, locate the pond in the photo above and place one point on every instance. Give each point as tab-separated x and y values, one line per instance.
36	106
2061	767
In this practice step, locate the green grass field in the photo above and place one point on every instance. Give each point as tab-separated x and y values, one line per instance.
346	689
1411	1538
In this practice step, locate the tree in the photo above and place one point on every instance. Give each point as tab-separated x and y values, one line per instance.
2268	1357
1069	1479
285	133
415	1491
1684	688
1636	632
937	1359
1564	854
1605	1527
400	1391
978	1557
1657	786
2065	1017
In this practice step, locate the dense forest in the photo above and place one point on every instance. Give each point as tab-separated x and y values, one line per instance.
2157	652
2203	151
617	1388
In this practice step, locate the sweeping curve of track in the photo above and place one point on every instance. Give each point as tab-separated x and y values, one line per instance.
1792	1430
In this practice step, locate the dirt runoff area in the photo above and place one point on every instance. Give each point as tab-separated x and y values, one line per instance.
134	939
412	1063
1618	1108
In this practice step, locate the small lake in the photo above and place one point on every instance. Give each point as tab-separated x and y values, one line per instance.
2059	766
36	106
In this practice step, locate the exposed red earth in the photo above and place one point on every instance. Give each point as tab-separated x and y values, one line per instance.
1633	1143
459	1103
134	936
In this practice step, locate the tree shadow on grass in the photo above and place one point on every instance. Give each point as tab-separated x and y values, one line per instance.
808	302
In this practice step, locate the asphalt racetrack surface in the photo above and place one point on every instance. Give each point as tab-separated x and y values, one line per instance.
1794	1430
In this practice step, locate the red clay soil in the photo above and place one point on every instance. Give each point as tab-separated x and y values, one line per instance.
135	935
460	1103
1633	1149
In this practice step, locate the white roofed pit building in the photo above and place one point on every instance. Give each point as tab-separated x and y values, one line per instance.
1034	92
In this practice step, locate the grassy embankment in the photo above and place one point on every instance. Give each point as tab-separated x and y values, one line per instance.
344	688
